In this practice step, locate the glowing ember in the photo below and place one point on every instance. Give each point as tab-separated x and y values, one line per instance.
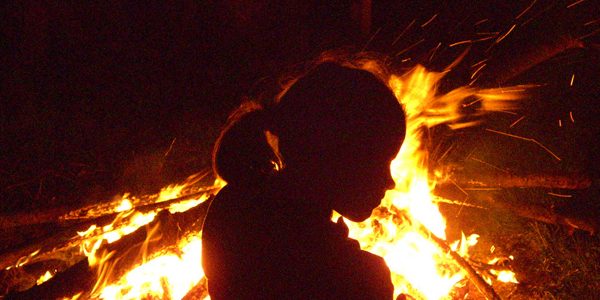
505	276
124	206
44	278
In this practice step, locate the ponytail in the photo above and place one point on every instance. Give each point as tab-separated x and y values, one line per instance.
242	154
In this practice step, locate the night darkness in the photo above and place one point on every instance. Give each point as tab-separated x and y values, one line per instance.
99	98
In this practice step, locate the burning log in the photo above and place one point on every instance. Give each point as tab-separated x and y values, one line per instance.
122	255
64	239
516	60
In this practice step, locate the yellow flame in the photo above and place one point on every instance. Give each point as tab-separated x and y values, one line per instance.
505	276
45	277
168	276
125	205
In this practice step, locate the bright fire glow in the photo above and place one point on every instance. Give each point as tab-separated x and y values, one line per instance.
419	268
394	231
170	275
44	278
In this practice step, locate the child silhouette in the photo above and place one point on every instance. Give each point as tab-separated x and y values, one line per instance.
268	234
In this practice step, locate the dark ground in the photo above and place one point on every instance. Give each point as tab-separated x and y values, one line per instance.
99	99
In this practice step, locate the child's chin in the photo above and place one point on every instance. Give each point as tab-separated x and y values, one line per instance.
358	217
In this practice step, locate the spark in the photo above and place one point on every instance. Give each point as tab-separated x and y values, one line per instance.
371	39
508	112
170	148
445	153
429	21
466	196
574	3
526	139
490	165
478	63
471	103
460	188
592	22
473	81
560	195
506	34
404	31
559	123
516	122
571	116
572	79
434	51
483	39
480	22
589	34
488	33
460	43
526	9
477	71
410	47
515	89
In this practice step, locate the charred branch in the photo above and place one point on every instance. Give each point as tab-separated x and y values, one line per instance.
546	213
543	213
526	54
67	217
573	181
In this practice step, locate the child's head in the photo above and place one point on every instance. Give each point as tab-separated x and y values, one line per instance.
337	128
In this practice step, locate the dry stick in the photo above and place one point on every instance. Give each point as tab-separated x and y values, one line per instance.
30	218
485	289
525	209
68	237
573	181
543	213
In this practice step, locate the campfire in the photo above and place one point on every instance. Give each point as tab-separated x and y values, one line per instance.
150	246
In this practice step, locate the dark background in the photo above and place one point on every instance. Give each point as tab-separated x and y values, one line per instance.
100	98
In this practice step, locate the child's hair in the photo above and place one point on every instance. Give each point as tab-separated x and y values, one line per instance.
331	108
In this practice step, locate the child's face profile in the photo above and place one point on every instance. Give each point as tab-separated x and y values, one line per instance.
360	182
